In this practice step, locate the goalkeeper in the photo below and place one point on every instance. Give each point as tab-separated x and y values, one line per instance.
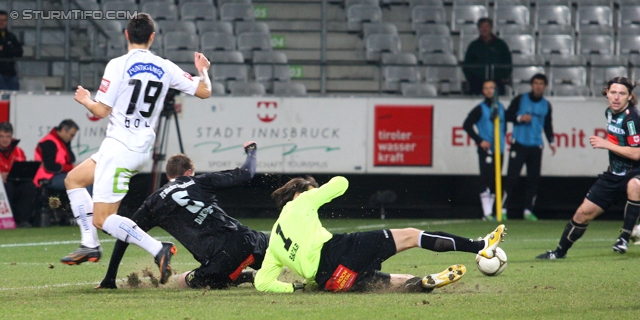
350	262
187	208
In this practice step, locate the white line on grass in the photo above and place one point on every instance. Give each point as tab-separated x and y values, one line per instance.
334	229
56	243
62	285
363	227
47	286
40	264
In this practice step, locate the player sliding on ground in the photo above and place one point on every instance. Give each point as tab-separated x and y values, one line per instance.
350	262
131	94
187	208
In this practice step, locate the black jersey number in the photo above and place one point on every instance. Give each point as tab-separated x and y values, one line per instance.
287	241
150	99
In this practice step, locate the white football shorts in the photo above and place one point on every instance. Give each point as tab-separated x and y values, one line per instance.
115	165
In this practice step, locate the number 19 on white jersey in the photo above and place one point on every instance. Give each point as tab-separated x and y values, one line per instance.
134	86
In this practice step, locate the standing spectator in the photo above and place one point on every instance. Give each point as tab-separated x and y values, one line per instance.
482	116
487	57
21	194
10	47
530	114
54	150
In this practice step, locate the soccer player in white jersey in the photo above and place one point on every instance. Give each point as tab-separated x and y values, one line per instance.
131	94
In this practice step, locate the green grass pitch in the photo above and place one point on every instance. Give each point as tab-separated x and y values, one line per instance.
592	283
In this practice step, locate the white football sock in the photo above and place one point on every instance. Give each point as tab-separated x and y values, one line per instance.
487	202
126	230
82	208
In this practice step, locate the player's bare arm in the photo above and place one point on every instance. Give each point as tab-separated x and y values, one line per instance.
202	65
627	152
98	109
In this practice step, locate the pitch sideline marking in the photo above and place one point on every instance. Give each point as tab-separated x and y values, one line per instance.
62	285
363	227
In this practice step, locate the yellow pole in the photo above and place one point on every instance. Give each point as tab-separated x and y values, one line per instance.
497	156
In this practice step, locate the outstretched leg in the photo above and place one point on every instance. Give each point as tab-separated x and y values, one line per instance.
442	242
124	229
574	230
82	207
381	281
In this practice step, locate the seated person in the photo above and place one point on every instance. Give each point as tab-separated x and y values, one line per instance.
54	150
21	194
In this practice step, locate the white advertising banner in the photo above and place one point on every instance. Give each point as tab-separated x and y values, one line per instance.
574	120
297	135
328	135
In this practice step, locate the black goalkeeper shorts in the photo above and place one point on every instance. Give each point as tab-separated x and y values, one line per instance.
241	250
349	259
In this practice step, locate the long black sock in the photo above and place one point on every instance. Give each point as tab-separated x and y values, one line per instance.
441	242
109	280
572	232
631	214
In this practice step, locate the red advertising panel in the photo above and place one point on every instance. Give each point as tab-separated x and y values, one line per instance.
403	135
4	110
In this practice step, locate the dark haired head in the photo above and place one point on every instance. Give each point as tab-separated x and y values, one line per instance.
625	82
3	13
483	20
67	124
488	80
540	76
178	164
286	193
6	126
140	28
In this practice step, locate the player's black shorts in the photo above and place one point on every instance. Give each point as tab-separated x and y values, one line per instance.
349	259
610	188
240	250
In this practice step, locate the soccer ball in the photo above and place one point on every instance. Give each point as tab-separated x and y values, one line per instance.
635	235
493	266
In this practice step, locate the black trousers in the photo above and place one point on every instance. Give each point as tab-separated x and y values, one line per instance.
22	198
487	170
518	156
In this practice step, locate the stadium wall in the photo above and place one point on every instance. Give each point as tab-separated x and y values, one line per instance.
415	147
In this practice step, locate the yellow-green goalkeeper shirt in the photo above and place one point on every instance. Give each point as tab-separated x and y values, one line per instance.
297	237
